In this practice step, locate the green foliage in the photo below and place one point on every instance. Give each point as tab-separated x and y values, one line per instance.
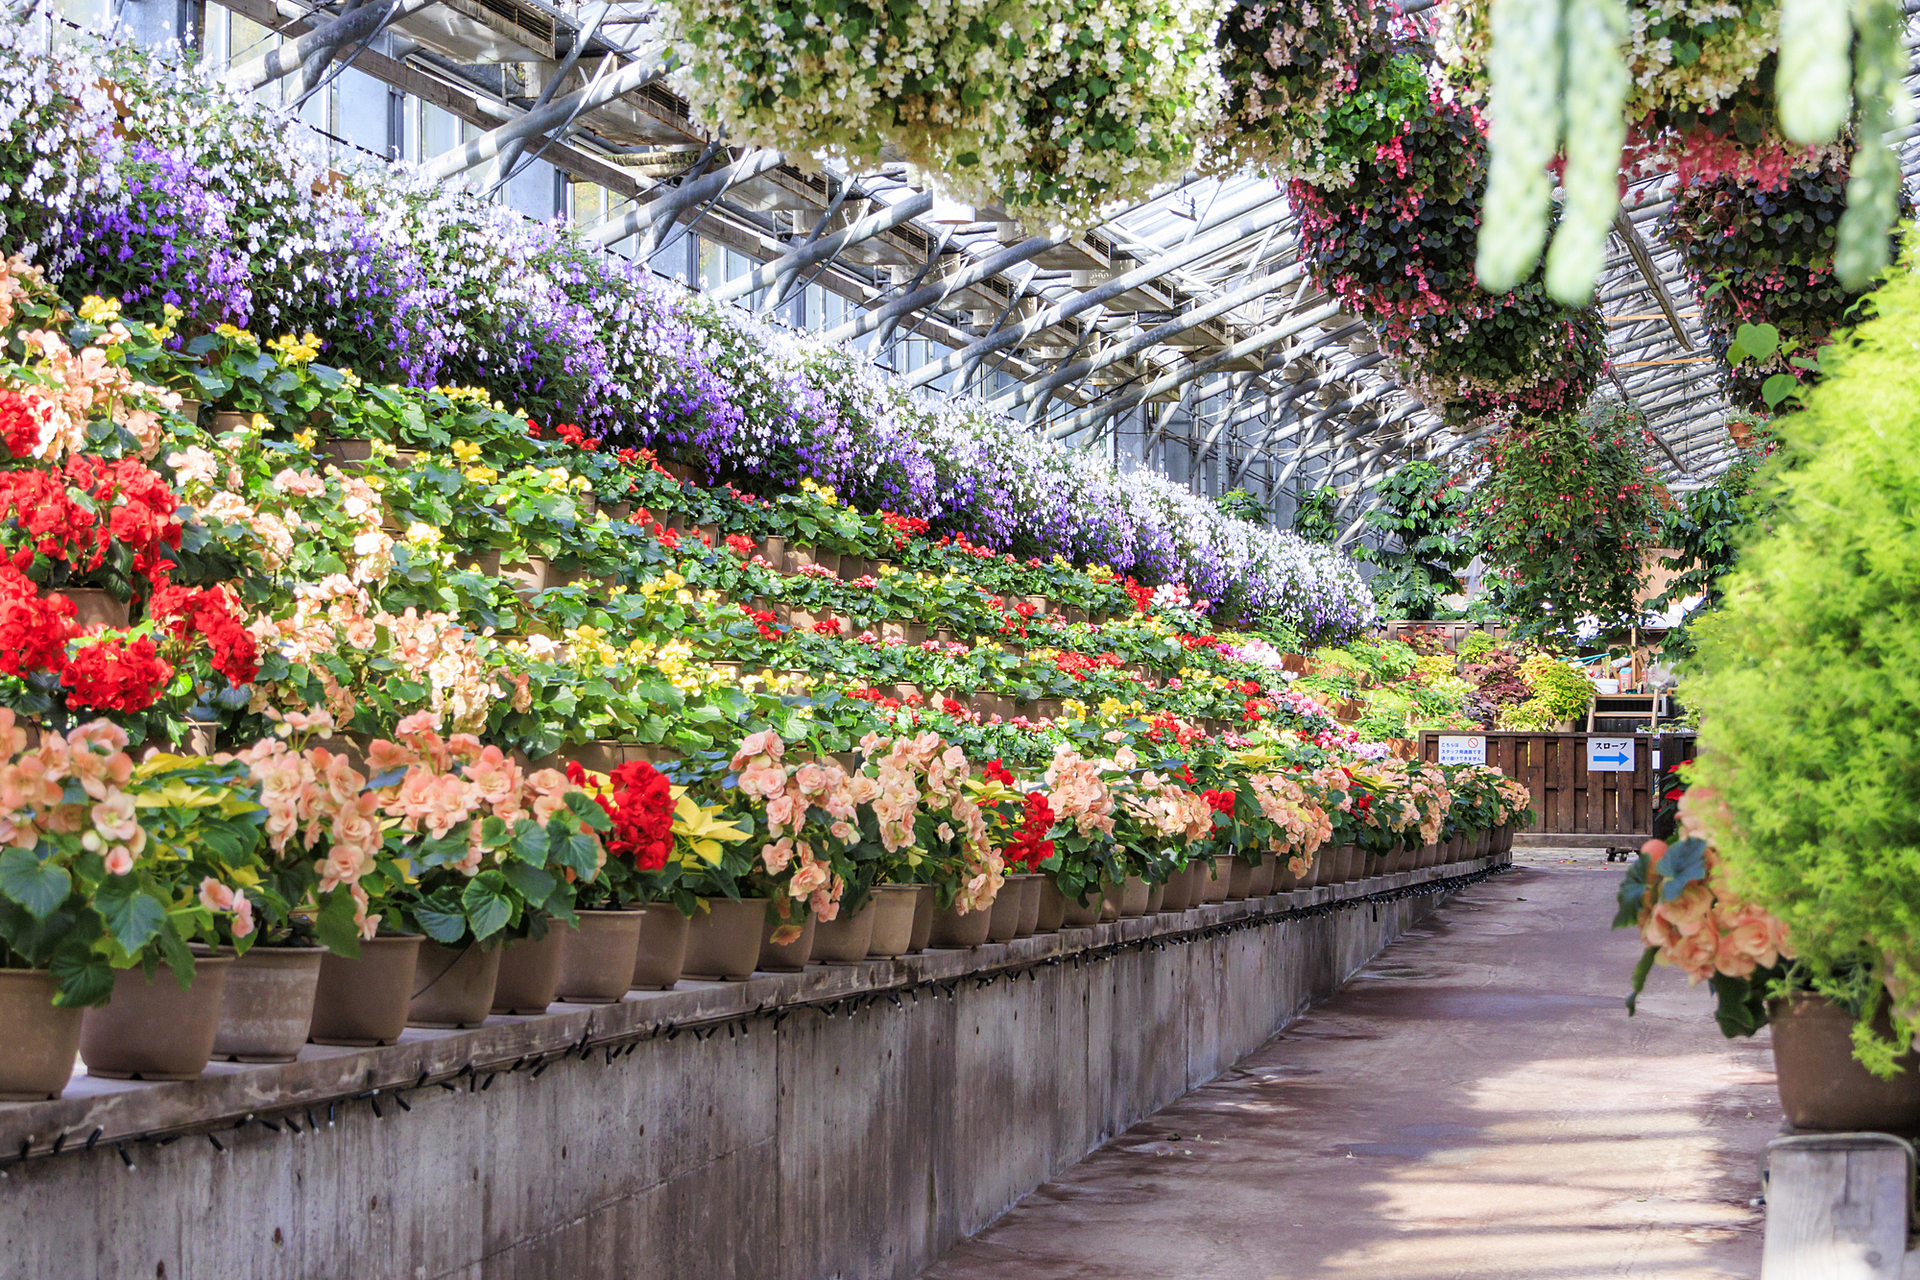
1241	505
1313	517
1809	691
1564	519
1419	509
1705	531
1475	644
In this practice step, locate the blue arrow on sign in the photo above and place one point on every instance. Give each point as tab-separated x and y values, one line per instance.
1620	759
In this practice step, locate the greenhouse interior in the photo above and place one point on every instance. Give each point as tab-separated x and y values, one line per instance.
1155	638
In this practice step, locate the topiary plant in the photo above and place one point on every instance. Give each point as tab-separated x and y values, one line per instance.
1809	683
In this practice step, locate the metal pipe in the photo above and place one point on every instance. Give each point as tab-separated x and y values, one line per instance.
360	24
825	247
541	119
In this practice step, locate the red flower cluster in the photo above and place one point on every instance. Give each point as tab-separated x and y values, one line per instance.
576	437
867	693
44	514
1030	844
1220	802
763	619
642	812
1201	642
902	528
20	424
114	675
740	545
34	630
1141	596
996	771
206	611
827	627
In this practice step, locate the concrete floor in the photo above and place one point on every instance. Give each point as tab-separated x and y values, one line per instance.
1475	1103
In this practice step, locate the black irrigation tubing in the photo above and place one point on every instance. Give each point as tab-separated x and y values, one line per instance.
624	1044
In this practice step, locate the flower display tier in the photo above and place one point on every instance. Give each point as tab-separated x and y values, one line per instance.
391	707
143	189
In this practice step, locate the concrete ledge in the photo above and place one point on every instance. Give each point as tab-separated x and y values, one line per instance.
719	1129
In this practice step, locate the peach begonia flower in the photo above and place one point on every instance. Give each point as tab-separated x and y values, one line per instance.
119	861
775	857
215	896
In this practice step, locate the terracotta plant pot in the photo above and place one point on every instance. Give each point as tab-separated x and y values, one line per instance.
37	1059
1823	1087
266	1010
1240	878
662	952
95	606
1174	898
1156	899
1030	887
596	959
723	941
1125	900
954	928
155	1030
923	908
1005	923
845	938
785	957
1260	883
364	1001
453	986
530	972
895	906
1215	886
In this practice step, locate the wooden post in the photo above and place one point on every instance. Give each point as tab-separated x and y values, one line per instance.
1837	1207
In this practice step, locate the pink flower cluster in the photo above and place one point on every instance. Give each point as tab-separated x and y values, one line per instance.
1077	789
788	792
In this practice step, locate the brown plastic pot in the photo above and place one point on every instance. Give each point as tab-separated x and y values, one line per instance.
596	959
1029	904
1053	906
1004	919
364	1001
1075	915
923	906
96	606
1260	883
662	952
1239	878
845	938
1156	899
1176	897
156	1030
453	986
1823	1087
37	1058
894	906
530	972
723	941
266	1010
1126	900
962	929
1215	886
790	957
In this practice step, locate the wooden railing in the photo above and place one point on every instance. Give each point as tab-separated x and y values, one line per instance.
1569	798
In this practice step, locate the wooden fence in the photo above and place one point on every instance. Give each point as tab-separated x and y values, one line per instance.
1568	799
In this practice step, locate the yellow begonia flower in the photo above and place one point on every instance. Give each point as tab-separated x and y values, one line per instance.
422	535
295	351
466	451
260	422
305	439
235	335
98	310
482	475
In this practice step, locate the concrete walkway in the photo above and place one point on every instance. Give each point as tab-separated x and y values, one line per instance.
1476	1103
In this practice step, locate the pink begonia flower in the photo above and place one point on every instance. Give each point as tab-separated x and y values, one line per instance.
215	896
242	915
776	856
119	861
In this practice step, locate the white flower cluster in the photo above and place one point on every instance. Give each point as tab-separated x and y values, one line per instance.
1686	56
1052	108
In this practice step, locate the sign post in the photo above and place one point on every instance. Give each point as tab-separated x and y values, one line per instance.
1610	755
1462	749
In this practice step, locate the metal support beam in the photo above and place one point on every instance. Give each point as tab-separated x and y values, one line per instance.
359	24
1151	338
770	273
1180	377
541	119
648	218
1261	219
